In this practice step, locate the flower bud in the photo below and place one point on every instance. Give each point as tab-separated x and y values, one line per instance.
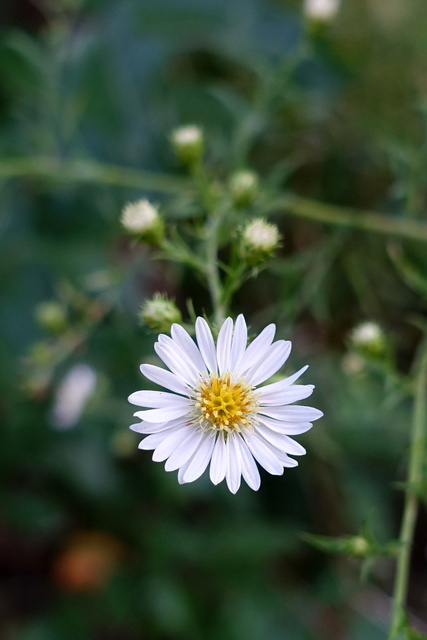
188	143
160	313
243	188
258	241
321	10
358	546
369	340
51	316
142	219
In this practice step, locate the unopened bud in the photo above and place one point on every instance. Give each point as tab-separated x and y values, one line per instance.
369	339
358	546
188	143
51	316
243	188
258	241
143	220
160	313
321	10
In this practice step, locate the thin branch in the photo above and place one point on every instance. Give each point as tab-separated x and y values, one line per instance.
90	171
353	218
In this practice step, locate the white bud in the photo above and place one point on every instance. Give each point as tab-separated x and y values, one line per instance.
243	187
142	219
369	339
258	241
188	142
321	10
261	235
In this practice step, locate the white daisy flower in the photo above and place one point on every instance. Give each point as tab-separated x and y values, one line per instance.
215	411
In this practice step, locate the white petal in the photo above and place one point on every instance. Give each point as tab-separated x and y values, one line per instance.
218	466
273	360
176	364
164	379
281	455
152	441
294	428
180	354
263	454
184	450
182	470
200	459
295	413
157	399
186	343
281	441
162	415
250	471
234	464
285	383
206	344
149	427
256	350
285	396
223	345
240	339
170	442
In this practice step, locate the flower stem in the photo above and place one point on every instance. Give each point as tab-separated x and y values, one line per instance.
415	475
212	269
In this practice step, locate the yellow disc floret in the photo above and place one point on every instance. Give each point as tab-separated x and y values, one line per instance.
223	404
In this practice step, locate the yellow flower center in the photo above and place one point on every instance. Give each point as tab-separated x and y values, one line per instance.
225	405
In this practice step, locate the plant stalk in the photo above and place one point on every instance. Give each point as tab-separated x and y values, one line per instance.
212	269
415	476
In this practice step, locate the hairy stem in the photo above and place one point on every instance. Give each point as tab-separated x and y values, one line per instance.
415	476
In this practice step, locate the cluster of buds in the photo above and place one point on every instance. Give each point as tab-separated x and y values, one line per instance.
160	313
142	220
259	239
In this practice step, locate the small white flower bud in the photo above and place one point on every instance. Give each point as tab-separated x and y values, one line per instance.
160	313
258	241
188	143
368	338
142	219
243	188
321	10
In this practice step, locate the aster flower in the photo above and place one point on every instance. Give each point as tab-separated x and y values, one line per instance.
216	411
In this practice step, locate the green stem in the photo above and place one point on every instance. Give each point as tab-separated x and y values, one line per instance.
415	476
212	269
90	171
356	219
96	172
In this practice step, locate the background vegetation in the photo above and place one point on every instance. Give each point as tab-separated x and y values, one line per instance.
96	541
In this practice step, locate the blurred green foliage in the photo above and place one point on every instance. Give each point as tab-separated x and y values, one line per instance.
338	116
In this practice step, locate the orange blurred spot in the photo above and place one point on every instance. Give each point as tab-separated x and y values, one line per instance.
87	561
